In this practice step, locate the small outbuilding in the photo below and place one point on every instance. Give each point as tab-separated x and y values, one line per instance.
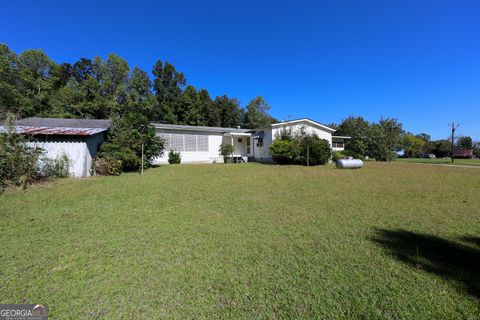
78	139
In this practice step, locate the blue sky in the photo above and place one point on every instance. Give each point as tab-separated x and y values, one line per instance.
418	61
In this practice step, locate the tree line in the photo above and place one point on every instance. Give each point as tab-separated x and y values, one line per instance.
378	140
416	145
32	84
385	139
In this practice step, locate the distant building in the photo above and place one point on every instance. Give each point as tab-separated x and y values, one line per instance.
463	154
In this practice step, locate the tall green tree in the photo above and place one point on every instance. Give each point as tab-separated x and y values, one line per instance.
168	85
384	139
36	70
139	93
256	114
357	128
95	89
208	109
413	145
229	111
84	95
465	142
190	110
442	148
115	76
12	91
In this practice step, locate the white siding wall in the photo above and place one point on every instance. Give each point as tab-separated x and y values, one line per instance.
309	129
210	156
80	151
263	154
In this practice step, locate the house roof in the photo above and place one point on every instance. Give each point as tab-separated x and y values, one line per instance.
59	126
310	121
64	123
197	128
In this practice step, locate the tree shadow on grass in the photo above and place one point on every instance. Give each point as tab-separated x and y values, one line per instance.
450	260
473	240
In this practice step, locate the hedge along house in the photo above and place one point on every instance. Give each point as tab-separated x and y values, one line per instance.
198	144
78	139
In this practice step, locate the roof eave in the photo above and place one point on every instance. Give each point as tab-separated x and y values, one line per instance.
304	119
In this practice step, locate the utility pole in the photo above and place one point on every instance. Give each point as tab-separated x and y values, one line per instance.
454	127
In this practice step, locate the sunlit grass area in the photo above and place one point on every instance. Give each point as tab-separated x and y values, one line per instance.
390	240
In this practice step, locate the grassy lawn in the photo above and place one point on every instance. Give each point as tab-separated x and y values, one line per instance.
465	162
391	241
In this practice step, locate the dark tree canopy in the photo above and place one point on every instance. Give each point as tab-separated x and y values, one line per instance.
376	140
168	85
465	142
357	128
229	111
256	114
31	84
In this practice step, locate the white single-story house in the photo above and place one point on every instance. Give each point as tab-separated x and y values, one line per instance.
198	144
78	139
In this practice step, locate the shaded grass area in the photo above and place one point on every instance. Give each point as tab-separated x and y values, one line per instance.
244	241
465	162
449	259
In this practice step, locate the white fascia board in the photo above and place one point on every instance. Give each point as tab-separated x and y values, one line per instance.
311	122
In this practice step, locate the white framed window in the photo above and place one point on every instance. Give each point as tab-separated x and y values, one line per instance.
337	145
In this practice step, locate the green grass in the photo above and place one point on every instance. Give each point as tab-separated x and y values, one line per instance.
464	162
389	241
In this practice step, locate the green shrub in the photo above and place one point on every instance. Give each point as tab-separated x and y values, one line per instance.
314	148
349	153
174	157
18	161
128	158
300	148
107	166
124	142
284	151
225	150
337	155
58	168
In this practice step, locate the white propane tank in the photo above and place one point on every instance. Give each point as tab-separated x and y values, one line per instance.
349	164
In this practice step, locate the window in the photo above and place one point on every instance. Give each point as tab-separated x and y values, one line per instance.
240	140
185	142
248	145
337	145
260	142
